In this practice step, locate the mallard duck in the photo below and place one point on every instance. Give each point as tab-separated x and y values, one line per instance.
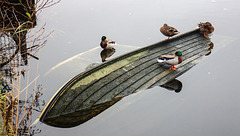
168	31
171	59
105	44
206	28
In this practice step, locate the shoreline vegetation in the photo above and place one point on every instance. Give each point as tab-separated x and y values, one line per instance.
18	44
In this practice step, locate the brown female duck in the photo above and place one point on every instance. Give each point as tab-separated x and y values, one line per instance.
206	28
168	31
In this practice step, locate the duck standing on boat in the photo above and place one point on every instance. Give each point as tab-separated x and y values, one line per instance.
168	31
206	28
171	59
105	44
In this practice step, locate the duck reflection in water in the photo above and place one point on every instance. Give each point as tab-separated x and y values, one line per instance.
211	45
173	85
107	54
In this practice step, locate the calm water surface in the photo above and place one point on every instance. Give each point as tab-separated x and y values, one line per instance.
209	101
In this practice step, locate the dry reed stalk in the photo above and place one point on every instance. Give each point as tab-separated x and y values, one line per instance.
14	61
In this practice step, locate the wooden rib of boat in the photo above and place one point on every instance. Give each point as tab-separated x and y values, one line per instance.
92	91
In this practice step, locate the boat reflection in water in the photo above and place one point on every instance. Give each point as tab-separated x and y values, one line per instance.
96	89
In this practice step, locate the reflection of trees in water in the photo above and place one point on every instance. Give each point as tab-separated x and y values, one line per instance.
33	103
16	19
17	46
17	113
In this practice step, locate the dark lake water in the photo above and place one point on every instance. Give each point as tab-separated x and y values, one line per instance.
208	103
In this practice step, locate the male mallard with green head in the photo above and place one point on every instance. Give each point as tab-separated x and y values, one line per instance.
171	59
206	28
105	44
168	31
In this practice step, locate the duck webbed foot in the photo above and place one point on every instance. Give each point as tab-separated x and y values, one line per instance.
173	68
205	35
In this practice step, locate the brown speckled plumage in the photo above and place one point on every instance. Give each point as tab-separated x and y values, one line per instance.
206	28
168	30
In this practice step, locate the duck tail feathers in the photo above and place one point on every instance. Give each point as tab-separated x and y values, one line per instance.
160	60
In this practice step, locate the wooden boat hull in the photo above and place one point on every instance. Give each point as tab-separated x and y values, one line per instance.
102	86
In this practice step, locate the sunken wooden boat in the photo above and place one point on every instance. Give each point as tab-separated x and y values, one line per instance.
93	91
